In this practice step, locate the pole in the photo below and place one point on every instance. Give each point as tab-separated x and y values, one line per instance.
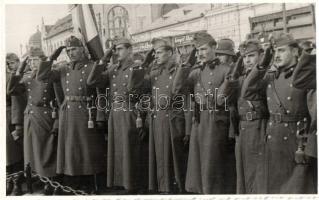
284	17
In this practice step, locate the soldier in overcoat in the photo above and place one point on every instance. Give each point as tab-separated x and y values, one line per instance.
81	151
252	117
15	105
124	141
167	157
209	138
39	126
286	105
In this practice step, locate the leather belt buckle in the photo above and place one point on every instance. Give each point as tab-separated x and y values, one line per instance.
278	117
249	116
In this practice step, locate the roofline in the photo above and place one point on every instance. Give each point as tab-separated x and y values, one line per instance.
48	37
168	25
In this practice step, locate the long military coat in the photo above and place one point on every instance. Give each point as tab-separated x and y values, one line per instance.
280	140
167	155
206	169
124	147
15	105
39	143
252	117
81	150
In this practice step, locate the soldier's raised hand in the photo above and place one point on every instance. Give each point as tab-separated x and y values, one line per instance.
107	55
149	58
56	53
266	59
238	69
22	66
191	60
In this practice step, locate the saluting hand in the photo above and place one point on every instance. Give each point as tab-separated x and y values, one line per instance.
56	53
266	59
238	69
107	55
22	66
191	60
149	58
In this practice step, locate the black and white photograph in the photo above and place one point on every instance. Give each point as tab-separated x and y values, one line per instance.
112	99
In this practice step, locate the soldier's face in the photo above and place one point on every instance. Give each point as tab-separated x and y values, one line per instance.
123	52
206	53
285	56
13	65
162	56
223	58
75	53
34	62
251	59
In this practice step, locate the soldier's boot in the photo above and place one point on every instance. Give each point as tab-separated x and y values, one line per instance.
17	186
9	186
47	189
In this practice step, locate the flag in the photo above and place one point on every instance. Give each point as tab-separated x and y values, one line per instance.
85	28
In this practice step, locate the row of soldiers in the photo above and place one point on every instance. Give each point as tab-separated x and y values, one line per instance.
253	135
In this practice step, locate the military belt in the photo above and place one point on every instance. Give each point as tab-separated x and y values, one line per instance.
279	117
78	98
252	115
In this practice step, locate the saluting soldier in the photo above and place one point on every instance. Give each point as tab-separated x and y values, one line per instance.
39	126
206	169
167	164
304	177
124	141
286	105
81	150
15	105
252	119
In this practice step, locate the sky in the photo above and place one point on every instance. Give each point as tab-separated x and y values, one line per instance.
21	22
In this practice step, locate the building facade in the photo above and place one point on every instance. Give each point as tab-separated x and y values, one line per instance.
179	22
55	35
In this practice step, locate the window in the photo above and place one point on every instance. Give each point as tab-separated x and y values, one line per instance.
117	22
167	8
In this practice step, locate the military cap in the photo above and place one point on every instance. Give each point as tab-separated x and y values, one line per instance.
33	52
160	42
12	56
225	46
72	41
202	38
282	39
122	41
249	46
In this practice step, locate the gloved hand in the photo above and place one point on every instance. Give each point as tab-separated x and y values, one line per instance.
22	66
191	60
17	134
107	55
100	125
301	157
142	134
266	59
54	132
149	58
186	140
238	69
56	53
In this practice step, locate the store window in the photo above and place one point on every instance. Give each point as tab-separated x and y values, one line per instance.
117	22
166	8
